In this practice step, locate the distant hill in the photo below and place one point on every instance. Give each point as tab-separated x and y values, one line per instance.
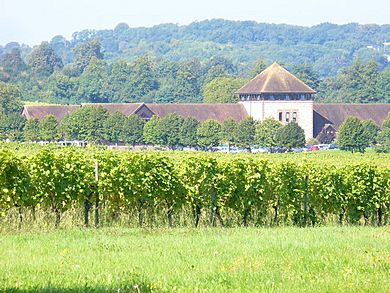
328	47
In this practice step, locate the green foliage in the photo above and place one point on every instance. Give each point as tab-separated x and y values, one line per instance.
306	73
371	131
290	136
286	190
384	137
258	67
152	132
359	83
86	123
11	126
12	64
116	128
85	52
228	131
245	132
31	130
352	135
209	133
222	89
10	99
266	132
135	129
187	133
169	129
43	60
49	128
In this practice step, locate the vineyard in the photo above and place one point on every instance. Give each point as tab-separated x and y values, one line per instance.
159	188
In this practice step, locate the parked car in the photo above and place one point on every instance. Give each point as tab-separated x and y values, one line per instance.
313	148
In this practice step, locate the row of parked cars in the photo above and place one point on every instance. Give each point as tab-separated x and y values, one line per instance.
309	148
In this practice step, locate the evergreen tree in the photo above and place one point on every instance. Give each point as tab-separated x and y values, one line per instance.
351	135
266	132
290	136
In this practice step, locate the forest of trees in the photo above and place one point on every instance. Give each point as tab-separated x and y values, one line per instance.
201	62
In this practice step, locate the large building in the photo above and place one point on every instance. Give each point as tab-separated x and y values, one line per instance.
275	92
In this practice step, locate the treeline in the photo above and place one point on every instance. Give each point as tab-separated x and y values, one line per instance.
96	124
327	46
239	190
84	71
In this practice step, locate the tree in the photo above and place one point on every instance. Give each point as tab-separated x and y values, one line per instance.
152	133
187	132
86	123
228	131
11	126
48	128
85	52
258	67
135	129
266	132
13	63
143	78
384	137
208	133
10	97
169	129
371	131
44	61
306	73
245	133
31	130
222	89
290	136
115	127
62	88
94	82
351	135
383	86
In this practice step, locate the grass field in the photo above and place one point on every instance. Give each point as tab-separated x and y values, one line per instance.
323	259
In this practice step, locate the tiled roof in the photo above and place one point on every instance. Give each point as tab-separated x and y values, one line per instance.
275	79
201	112
40	112
335	114
126	109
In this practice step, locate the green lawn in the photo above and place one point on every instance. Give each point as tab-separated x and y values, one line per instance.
324	259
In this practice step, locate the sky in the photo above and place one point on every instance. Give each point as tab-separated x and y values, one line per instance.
33	21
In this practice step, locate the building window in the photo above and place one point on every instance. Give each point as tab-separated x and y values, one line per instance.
287	97
294	116
280	116
287	117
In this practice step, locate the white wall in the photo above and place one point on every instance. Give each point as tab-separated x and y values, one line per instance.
260	110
